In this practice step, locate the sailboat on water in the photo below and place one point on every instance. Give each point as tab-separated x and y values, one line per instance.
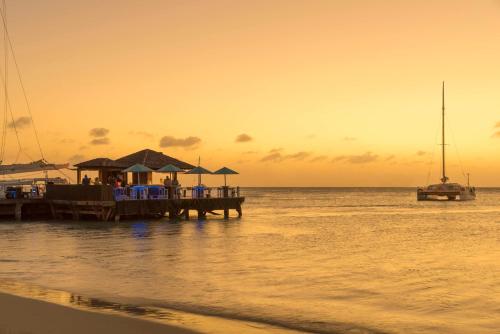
446	190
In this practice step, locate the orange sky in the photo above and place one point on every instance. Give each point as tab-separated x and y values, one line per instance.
331	93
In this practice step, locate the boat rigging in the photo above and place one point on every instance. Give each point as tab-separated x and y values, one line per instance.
445	190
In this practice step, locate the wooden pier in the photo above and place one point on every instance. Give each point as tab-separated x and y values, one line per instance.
79	202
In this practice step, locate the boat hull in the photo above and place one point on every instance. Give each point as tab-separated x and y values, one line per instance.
446	192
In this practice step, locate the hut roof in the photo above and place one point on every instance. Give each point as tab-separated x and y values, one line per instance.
151	159
99	163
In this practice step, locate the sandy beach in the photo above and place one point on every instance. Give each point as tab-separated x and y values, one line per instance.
27	316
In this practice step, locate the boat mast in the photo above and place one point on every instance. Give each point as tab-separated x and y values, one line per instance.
444	178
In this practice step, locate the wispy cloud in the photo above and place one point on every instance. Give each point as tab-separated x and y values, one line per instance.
496	134
98	132
421	153
67	141
188	142
20	123
298	156
349	139
276	155
357	159
100	141
76	158
319	158
390	157
243	138
272	157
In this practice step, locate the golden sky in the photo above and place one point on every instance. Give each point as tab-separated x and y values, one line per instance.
325	93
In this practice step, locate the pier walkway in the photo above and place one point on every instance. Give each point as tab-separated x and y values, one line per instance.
99	202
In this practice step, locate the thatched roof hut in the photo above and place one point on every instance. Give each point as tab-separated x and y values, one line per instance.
149	158
98	163
152	159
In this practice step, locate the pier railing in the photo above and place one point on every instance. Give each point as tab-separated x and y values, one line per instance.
73	192
152	192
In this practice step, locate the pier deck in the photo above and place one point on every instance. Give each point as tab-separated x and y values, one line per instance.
109	210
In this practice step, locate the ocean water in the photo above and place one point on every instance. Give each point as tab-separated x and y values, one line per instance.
327	260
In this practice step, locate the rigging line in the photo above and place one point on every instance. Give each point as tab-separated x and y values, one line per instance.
9	108
4	133
457	152
433	154
65	175
28	106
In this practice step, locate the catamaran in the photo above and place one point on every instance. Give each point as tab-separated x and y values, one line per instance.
28	187
446	190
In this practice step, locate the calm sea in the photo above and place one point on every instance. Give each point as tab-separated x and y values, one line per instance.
314	259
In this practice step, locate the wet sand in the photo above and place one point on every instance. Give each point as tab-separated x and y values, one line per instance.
20	315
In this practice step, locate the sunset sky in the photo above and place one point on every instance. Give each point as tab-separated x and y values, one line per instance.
289	93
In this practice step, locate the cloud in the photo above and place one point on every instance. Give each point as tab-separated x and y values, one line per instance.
20	123
421	153
298	156
76	158
273	157
66	141
169	141
98	132
319	158
390	157
363	158
100	141
496	134
357	159
311	136
243	138
250	152
349	139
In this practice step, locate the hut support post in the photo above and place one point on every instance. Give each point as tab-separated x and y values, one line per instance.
75	212
18	211
226	213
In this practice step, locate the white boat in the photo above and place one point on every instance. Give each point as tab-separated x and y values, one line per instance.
446	190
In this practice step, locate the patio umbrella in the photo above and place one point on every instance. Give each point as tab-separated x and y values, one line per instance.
137	168
199	171
225	171
169	169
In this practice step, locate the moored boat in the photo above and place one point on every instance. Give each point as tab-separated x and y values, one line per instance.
446	190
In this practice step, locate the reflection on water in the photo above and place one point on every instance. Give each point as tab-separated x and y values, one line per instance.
71	299
201	324
323	260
